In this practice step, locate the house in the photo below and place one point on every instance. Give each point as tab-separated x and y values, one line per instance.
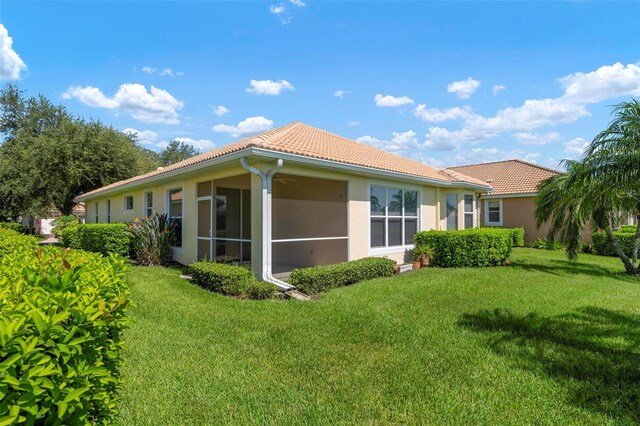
294	196
43	225
512	202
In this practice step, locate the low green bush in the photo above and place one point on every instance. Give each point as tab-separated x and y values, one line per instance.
14	242
259	290
629	228
321	278
546	244
14	226
518	237
222	278
478	247
102	238
62	315
63	222
603	247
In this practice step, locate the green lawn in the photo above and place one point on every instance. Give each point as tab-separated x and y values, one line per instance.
542	341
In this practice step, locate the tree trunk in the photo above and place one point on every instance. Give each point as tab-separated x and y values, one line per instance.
621	254
636	244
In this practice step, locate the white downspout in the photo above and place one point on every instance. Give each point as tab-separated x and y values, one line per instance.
266	222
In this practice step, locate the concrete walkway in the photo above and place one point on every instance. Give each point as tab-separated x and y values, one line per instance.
51	239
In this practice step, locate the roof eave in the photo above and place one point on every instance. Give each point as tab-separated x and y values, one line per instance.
267	153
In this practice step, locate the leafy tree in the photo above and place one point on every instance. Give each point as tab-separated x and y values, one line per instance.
175	152
598	187
49	157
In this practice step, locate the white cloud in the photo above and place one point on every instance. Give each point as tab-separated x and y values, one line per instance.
11	65
341	93
392	101
497	88
442	139
144	137
269	87
277	9
163	73
575	148
153	106
353	123
247	126
436	115
149	70
200	144
609	81
297	3
485	155
401	141
533	138
464	88
220	110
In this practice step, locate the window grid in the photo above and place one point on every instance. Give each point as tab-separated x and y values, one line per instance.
468	211
95	212
403	217
177	218
148	203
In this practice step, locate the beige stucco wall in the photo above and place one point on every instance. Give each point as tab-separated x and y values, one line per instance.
432	207
520	212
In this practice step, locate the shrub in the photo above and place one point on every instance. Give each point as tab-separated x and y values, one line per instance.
260	290
603	247
13	242
321	278
518	237
63	222
151	239
62	315
629	228
469	247
102	238
14	226
546	244
222	278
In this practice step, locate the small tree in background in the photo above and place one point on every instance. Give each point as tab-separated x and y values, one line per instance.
175	152
605	182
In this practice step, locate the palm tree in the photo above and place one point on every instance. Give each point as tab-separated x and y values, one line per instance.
596	188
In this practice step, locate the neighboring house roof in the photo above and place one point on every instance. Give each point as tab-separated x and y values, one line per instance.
307	141
509	177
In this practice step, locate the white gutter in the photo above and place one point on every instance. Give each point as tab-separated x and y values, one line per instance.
266	273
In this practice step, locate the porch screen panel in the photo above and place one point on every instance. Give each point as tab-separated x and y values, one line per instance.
301	254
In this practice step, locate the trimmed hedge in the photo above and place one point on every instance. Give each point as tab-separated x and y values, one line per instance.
321	278
517	234
62	315
478	247
102	238
603	247
14	226
222	278
14	242
260	290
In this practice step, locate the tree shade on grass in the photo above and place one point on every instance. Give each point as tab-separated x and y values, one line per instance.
542	341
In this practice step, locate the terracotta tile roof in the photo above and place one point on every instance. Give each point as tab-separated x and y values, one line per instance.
302	139
509	177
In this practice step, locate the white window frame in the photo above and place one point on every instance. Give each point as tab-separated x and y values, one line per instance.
399	248
96	212
472	212
126	209
446	216
177	249
148	213
487	222
108	211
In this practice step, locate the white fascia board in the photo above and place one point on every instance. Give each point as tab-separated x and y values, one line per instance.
522	195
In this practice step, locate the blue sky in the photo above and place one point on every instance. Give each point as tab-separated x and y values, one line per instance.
444	83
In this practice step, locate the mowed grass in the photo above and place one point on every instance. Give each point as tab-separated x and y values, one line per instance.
542	341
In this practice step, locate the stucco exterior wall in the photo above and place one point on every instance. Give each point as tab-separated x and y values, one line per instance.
432	205
520	212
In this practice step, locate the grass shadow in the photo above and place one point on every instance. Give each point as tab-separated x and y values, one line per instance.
593	352
566	267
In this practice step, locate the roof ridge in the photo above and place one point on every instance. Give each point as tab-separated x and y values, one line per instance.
506	161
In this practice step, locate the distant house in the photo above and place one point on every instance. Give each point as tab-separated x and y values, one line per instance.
43	225
292	197
512	201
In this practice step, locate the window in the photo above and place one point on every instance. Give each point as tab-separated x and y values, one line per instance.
108	211
493	212
175	213
468	211
452	212
393	216
148	203
95	213
128	202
